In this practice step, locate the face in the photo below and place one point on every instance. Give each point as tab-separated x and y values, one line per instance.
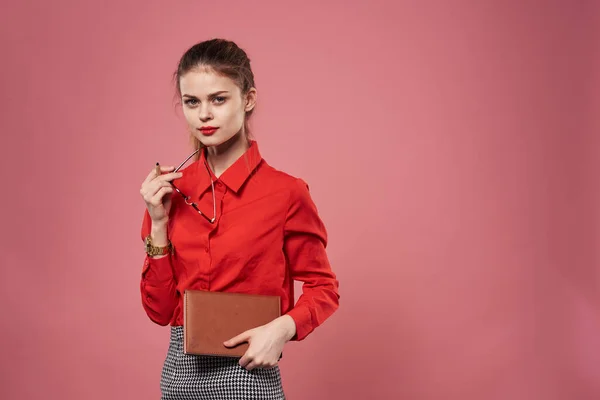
214	107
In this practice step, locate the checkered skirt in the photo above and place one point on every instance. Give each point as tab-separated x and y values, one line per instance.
190	377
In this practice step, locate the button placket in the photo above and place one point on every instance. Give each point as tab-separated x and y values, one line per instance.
220	190
204	285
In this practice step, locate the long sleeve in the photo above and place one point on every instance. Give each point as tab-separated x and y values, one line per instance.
157	285
305	241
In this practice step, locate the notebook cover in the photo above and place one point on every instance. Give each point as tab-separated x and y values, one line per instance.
211	318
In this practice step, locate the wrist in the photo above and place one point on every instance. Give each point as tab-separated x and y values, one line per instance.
160	224
155	251
157	242
158	233
287	326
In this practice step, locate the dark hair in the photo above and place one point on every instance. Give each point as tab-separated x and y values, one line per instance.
225	58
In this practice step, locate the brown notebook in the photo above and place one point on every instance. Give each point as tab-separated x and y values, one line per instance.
211	318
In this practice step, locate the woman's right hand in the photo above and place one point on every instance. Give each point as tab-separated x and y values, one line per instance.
156	192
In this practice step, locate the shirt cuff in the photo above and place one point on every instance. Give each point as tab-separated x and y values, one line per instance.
157	269
303	319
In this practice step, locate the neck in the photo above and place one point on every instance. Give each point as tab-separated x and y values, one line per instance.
224	155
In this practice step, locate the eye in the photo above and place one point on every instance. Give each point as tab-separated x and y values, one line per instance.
191	102
220	99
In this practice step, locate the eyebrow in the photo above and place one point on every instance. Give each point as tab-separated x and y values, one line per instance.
210	95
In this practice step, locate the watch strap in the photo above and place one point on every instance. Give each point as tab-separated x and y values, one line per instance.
153	250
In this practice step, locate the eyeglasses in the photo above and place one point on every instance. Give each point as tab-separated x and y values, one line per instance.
187	198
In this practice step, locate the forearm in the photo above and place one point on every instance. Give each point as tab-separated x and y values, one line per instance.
159	299
305	240
159	235
158	286
314	306
287	327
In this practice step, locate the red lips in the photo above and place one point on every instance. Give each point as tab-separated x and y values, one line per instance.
207	130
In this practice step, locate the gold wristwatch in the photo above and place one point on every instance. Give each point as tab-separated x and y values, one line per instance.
152	250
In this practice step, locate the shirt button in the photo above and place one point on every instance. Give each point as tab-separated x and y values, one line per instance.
206	249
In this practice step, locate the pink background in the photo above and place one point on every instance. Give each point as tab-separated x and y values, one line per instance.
451	148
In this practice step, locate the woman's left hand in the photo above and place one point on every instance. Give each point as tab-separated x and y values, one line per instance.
265	343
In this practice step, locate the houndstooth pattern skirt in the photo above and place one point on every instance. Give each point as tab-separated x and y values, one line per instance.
190	377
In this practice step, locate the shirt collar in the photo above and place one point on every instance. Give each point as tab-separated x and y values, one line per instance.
234	176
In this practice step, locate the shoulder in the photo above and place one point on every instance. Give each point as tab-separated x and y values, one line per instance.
296	189
301	212
282	180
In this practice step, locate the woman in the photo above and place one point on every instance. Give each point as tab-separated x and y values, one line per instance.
230	222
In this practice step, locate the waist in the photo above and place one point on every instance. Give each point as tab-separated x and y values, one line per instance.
177	333
285	299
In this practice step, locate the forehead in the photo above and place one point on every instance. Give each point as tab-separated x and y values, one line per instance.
204	81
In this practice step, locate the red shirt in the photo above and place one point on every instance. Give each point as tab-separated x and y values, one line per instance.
267	234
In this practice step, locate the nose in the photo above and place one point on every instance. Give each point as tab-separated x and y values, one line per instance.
204	113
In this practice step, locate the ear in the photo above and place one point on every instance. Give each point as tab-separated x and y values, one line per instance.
250	100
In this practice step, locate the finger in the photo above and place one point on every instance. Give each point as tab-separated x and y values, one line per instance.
153	174
153	186
252	365
149	190
241	338
166	168
168	177
245	360
157	199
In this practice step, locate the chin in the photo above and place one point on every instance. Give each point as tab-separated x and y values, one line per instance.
210	141
216	139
